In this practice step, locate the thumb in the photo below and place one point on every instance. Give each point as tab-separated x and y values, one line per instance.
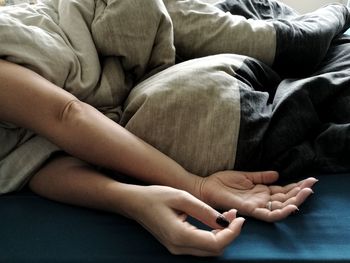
265	177
203	212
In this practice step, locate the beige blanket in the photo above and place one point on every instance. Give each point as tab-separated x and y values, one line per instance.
100	50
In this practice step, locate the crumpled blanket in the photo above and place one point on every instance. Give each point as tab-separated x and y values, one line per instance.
297	125
293	125
211	111
74	44
290	124
99	50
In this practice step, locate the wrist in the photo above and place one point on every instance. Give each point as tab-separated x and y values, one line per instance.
193	184
124	199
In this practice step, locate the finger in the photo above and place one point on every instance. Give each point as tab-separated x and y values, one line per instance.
281	194
281	197
274	215
230	215
294	191
215	242
300	197
296	199
276	205
306	183
227	235
266	177
194	207
278	210
276	189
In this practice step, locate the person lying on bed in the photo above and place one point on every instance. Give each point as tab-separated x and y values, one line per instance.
162	207
89	140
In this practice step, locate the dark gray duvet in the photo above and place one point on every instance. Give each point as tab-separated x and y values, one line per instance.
297	123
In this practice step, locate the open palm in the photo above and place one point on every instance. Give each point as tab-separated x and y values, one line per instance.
252	195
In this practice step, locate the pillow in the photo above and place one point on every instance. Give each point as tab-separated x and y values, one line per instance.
190	112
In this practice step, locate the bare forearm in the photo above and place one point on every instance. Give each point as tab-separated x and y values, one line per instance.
82	131
69	180
89	135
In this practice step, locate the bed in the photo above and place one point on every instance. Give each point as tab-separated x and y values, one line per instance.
34	229
290	125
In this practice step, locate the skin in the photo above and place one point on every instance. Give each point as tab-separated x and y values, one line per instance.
88	137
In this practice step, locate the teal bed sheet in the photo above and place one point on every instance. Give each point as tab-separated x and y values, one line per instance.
37	230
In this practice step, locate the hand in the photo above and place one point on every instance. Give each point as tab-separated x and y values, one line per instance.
163	211
250	194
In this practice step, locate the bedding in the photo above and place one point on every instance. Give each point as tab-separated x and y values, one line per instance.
15	2
217	111
268	122
89	49
211	111
293	124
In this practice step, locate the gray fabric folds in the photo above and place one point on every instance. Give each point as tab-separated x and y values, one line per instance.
191	112
98	50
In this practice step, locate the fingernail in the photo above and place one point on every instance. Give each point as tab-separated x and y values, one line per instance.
295	211
222	221
243	223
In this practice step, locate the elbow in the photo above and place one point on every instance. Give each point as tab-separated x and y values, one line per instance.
72	111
